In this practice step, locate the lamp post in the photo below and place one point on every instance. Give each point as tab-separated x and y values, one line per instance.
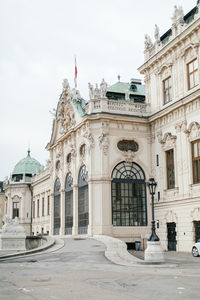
152	188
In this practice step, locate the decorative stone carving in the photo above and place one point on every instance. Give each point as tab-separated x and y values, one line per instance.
97	92
177	15
104	142
65	111
157	34
127	95
12	236
147	42
91	91
195	214
59	150
168	140
103	88
75	95
89	138
170	216
72	150
65	85
129	156
193	131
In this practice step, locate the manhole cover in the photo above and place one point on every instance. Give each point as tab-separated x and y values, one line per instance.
96	246
78	239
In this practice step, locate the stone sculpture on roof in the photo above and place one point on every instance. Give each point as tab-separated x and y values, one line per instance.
91	91
103	88
178	14
157	33
147	42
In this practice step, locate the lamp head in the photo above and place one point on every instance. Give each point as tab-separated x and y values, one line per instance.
152	186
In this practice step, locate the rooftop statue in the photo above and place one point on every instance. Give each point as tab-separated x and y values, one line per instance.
96	92
178	14
91	91
157	33
103	88
65	85
127	95
75	94
147	42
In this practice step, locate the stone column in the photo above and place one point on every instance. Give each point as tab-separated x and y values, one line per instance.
62	212
90	200
51	213
75	210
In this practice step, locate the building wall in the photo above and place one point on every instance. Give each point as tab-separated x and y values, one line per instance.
174	126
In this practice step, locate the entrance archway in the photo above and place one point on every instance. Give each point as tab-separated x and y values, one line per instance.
128	193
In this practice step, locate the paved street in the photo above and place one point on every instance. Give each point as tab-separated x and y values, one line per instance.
79	270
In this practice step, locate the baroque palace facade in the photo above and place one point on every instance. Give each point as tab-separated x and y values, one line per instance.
102	152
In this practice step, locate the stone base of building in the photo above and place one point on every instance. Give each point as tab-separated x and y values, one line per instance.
154	252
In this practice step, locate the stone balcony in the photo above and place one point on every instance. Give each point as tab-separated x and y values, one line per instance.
105	105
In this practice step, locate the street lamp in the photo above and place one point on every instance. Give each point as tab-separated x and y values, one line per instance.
152	188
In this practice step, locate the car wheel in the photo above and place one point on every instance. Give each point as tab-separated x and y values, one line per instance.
195	252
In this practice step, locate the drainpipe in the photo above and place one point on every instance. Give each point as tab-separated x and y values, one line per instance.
30	188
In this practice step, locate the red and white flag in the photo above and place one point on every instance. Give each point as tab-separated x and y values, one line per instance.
75	76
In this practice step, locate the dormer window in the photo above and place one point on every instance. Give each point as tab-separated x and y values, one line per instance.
167	90
192	74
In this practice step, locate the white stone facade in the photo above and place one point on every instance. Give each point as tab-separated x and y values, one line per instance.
89	136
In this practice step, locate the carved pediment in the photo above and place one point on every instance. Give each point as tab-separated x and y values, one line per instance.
165	69
193	131
170	216
190	51
168	140
195	214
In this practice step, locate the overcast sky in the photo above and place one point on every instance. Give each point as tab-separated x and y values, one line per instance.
38	41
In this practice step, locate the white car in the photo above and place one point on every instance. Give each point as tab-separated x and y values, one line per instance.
196	249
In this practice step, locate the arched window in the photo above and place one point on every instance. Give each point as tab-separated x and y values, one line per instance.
83	210
68	204
57	206
129	207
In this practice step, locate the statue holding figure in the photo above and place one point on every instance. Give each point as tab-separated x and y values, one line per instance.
103	88
147	42
157	34
65	85
96	92
91	91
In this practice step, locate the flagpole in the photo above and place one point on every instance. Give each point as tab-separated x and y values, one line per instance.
75	75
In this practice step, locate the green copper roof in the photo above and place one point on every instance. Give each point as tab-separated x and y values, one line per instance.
27	165
122	87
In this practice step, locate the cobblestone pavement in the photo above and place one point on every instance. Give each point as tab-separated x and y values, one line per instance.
80	270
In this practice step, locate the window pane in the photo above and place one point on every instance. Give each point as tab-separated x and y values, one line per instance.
195	64
195	150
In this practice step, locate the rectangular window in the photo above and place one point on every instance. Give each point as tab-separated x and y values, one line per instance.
15	209
167	90
33	209
170	169
38	208
196	161
192	74
43	207
48	205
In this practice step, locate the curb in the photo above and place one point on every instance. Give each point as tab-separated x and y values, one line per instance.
50	242
116	252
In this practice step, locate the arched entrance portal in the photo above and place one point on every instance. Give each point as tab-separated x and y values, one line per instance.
57	207
128	188
68	204
83	209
